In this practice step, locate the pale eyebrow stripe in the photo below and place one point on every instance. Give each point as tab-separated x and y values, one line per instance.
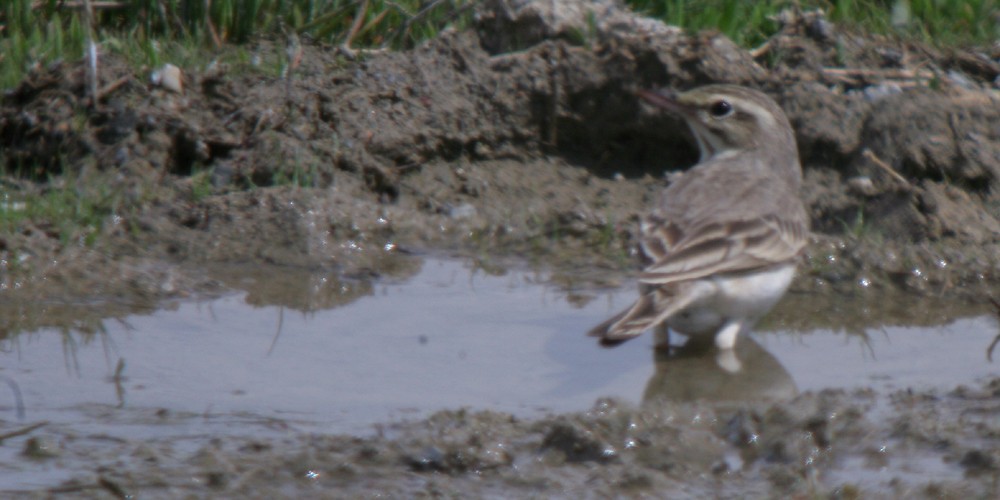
762	113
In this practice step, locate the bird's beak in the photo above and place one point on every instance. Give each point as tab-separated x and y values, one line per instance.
666	99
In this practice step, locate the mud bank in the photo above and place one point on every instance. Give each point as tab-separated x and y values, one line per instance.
830	444
519	137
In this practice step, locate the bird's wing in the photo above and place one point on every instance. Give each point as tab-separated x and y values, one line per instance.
658	236
728	247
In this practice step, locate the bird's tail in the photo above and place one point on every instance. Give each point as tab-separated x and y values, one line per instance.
627	324
652	308
603	330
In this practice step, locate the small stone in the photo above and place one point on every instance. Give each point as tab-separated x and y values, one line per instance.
977	461
862	185
820	29
168	77
878	92
429	459
891	56
40	448
463	211
960	80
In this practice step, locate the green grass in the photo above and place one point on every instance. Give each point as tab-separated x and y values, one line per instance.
27	39
70	208
746	23
939	22
151	31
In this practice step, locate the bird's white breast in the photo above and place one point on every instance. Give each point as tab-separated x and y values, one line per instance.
749	295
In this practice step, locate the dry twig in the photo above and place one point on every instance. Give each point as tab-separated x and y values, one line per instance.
211	27
88	16
863	76
356	24
22	431
867	153
113	86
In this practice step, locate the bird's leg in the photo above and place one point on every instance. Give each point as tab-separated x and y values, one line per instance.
726	336
661	338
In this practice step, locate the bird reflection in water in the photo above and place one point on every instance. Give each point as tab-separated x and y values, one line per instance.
697	370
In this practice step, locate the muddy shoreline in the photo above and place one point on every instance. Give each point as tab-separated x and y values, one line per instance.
517	142
477	146
834	443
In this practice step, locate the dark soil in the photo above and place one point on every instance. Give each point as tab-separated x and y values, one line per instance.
519	139
832	444
473	143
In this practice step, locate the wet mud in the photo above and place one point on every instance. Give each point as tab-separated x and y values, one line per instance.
460	382
833	443
515	142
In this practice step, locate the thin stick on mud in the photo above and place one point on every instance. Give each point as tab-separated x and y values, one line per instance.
880	74
88	17
293	50
760	50
867	153
359	18
903	78
22	431
113	86
211	27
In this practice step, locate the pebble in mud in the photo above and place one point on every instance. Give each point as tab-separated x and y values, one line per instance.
41	447
169	77
577	445
978	462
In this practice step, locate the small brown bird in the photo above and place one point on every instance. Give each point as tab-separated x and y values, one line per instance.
727	234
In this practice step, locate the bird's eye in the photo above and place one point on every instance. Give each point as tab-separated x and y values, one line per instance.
720	109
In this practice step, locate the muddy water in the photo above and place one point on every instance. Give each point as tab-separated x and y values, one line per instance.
448	337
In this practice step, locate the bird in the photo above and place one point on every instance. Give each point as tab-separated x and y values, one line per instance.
724	240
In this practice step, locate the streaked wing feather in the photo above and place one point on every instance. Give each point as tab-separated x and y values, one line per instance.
729	247
657	237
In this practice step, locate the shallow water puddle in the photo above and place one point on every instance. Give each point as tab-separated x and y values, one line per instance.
449	337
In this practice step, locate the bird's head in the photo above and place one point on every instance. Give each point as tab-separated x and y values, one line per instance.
729	119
